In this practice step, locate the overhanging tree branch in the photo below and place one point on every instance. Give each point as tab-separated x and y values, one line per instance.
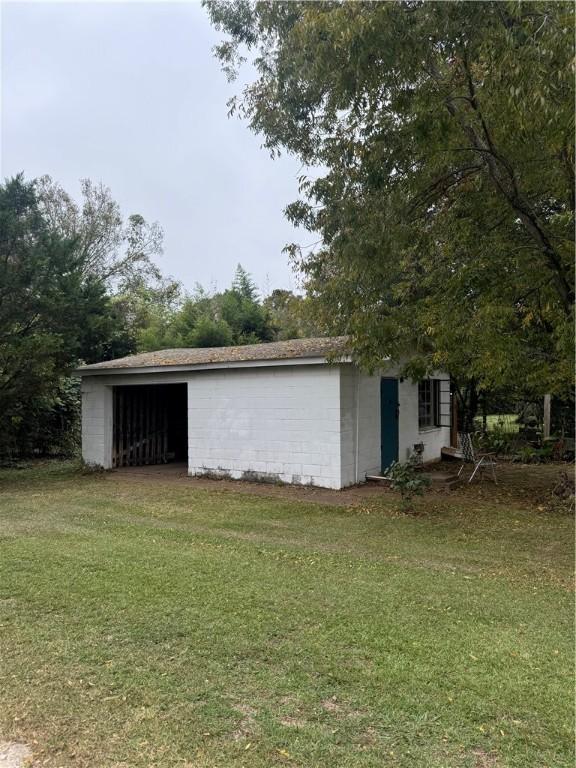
504	180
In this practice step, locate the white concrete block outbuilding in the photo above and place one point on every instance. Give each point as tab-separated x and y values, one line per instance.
293	411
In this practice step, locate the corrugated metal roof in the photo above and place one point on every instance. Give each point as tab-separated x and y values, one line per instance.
293	349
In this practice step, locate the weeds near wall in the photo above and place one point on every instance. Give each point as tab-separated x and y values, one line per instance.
408	482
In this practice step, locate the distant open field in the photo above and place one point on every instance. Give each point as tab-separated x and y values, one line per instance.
506	422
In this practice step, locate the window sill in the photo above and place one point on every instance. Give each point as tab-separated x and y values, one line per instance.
421	430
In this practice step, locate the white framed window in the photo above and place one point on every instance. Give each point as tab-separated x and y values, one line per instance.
428	403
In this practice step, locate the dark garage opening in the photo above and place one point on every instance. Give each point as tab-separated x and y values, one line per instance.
150	425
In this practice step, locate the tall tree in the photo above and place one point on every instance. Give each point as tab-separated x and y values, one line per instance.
243	284
443	135
51	313
119	252
292	315
146	309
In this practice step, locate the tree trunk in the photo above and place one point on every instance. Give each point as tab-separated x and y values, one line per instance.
467	405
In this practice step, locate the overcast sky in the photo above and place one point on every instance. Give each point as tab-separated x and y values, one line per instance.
131	95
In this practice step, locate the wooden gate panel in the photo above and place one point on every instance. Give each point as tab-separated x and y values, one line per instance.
140	430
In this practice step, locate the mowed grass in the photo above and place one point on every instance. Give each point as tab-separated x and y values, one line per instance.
504	422
155	624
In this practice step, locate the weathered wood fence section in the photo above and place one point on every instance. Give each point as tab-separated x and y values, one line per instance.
140	433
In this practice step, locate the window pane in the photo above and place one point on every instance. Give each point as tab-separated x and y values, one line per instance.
436	403
425	404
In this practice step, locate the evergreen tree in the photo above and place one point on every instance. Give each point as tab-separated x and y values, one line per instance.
243	285
51	313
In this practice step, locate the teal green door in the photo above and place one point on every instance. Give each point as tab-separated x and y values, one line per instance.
388	422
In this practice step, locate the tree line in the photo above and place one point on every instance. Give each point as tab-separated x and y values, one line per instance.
80	283
437	141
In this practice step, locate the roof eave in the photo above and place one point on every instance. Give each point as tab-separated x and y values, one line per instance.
155	369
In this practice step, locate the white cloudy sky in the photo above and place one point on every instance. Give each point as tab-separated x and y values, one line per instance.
130	94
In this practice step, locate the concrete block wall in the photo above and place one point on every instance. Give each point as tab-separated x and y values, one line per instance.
359	425
369	447
273	423
348	432
97	417
434	438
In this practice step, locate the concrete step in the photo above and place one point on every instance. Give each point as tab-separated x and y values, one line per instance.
438	480
449	452
379	479
445	480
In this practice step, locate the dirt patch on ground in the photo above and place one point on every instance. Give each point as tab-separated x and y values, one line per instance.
14	755
485	759
293	722
177	474
246	724
331	705
528	483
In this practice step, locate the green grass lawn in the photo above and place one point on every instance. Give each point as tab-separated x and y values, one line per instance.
504	422
146	624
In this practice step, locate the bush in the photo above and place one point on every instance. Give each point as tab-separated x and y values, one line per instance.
526	454
497	440
410	483
45	425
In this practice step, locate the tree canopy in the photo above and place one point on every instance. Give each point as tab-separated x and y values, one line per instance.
233	316
440	137
51	312
116	251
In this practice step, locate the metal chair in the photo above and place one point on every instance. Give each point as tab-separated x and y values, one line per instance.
481	461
